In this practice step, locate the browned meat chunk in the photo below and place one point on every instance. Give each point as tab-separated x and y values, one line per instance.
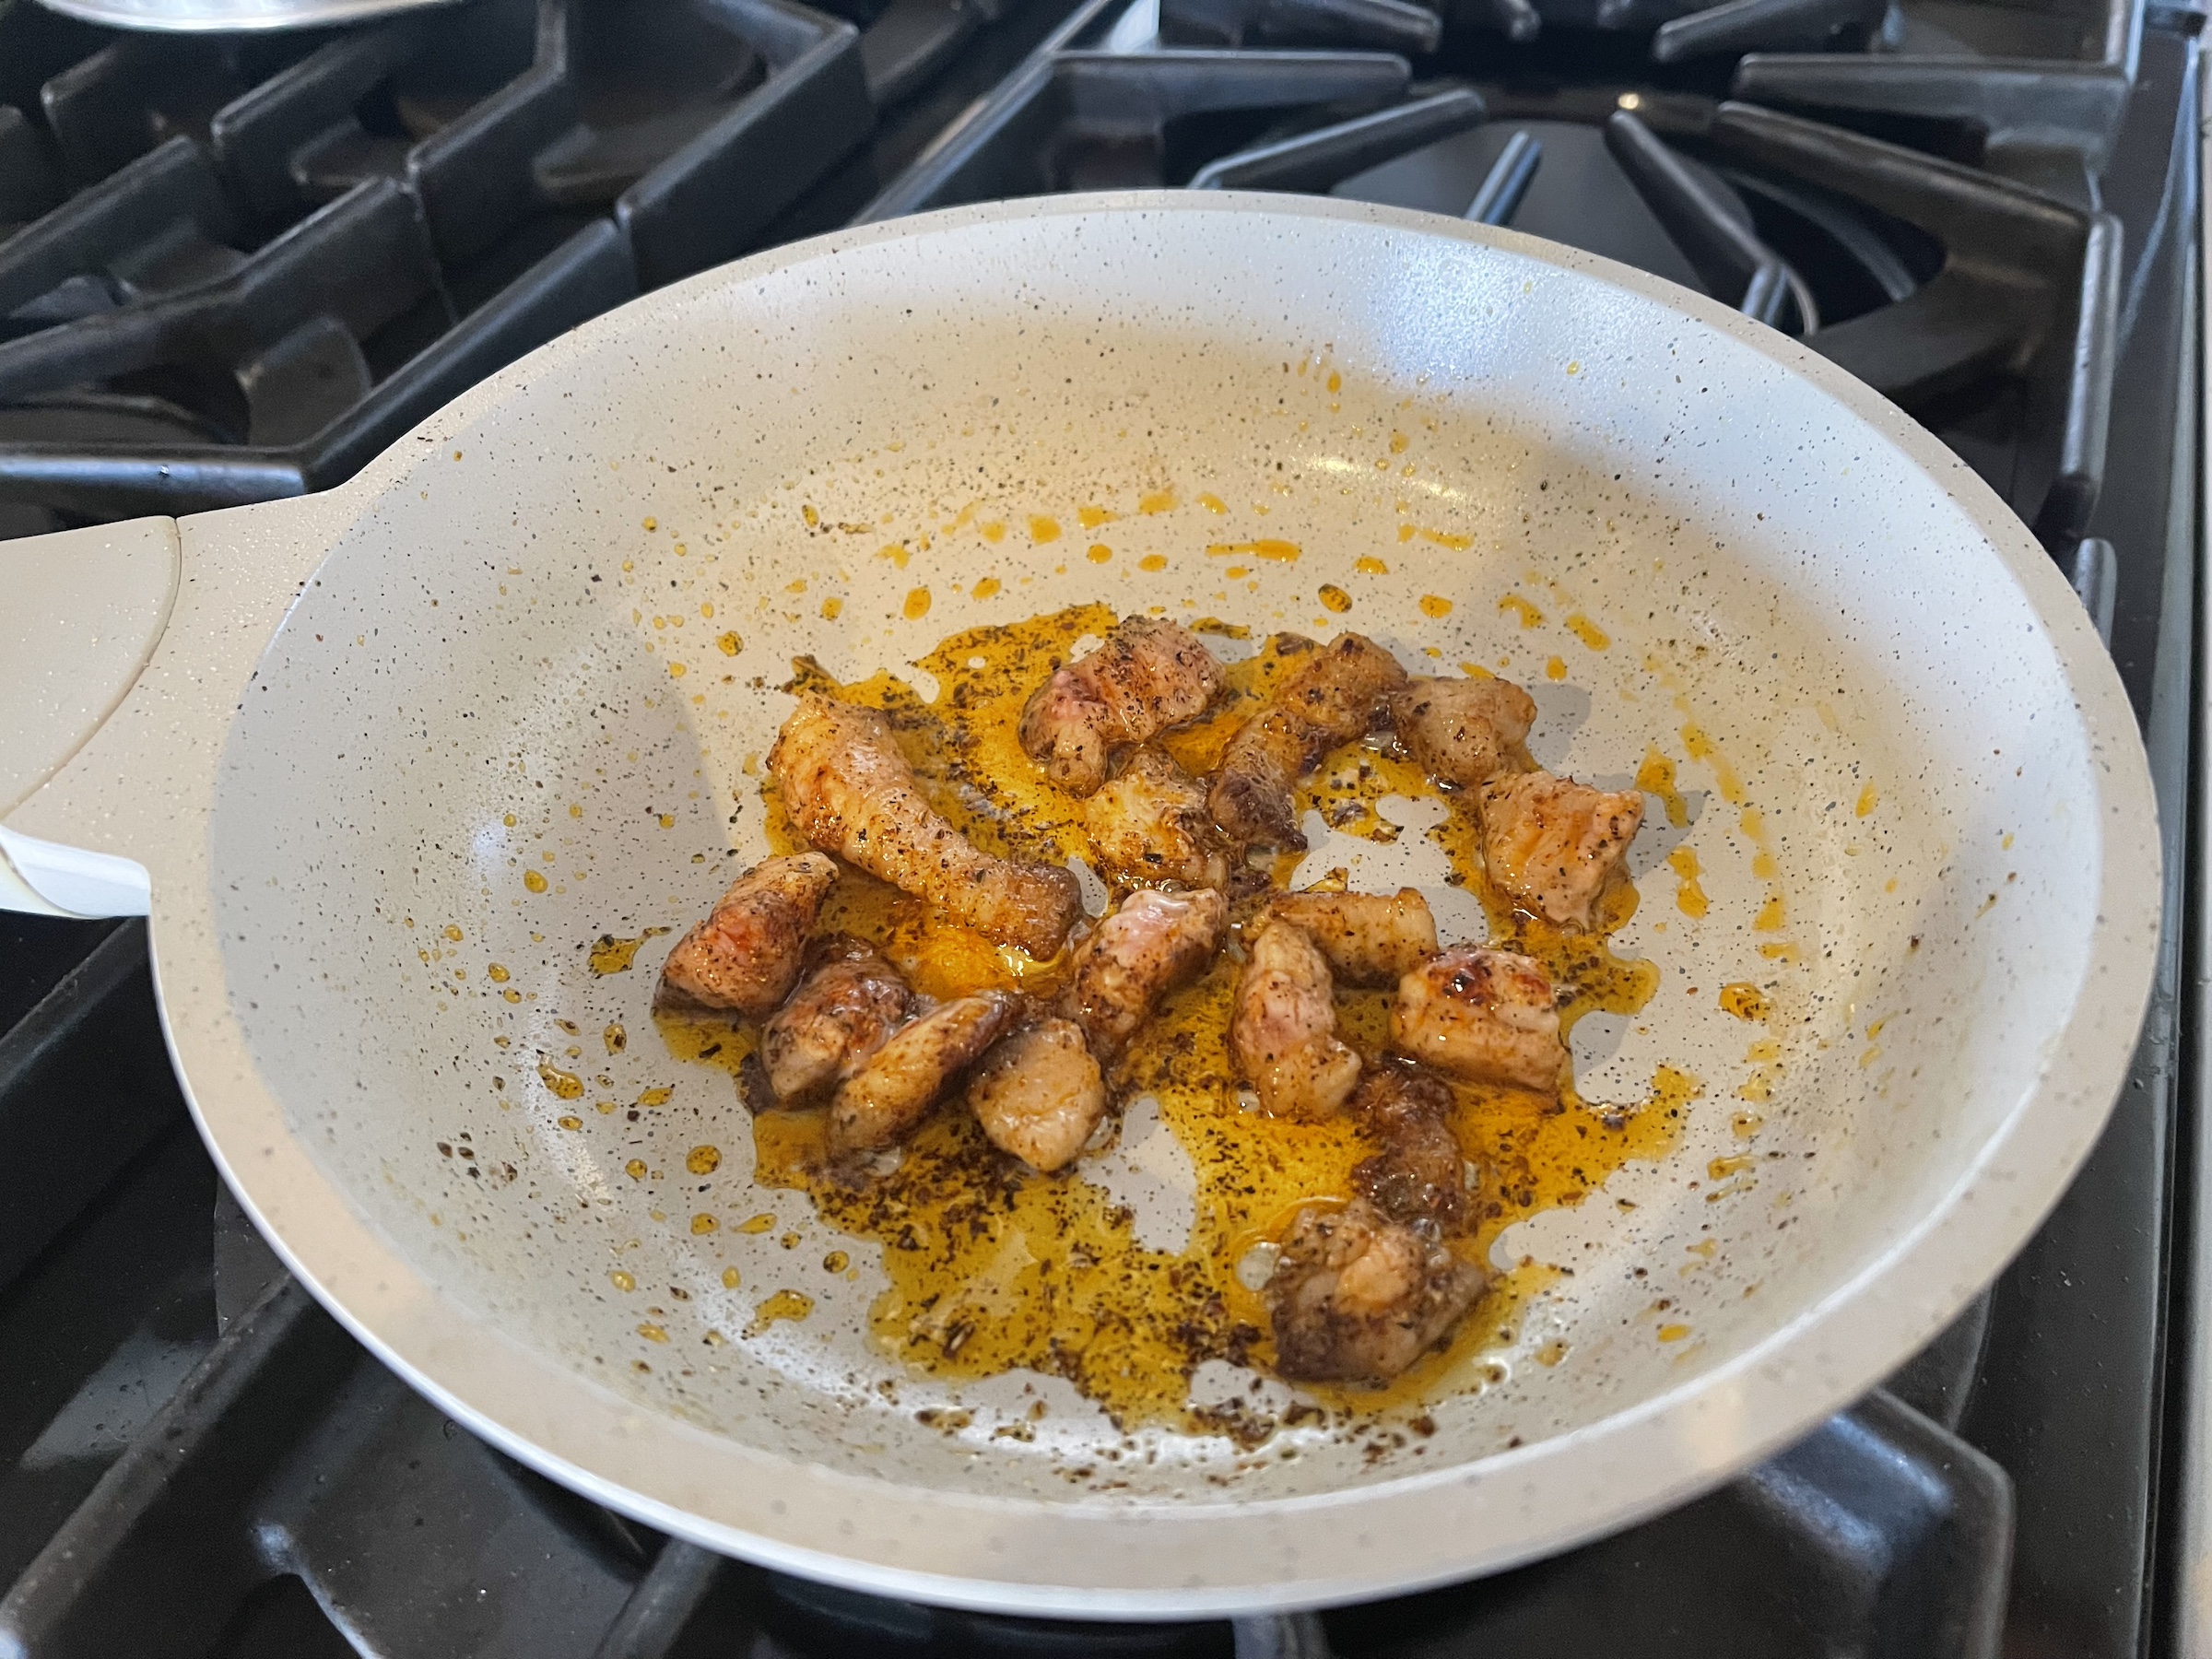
1554	843
1370	939
1148	676
1148	823
1484	1016
1283	1033
848	1004
887	1098
1040	1094
1462	731
1357	1297
852	793
746	957
1330	699
1419	1176
1155	942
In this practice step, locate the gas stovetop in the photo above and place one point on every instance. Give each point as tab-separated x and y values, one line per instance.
234	267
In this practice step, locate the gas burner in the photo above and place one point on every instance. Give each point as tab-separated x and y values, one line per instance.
1995	77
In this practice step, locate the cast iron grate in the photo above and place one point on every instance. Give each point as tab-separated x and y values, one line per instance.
295	1496
2030	88
250	296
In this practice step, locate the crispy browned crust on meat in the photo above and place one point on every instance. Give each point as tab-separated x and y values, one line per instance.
1357	1297
1419	1175
851	791
747	955
1334	696
1369	938
845	1008
1148	823
1154	942
1040	1093
917	1067
1482	1016
1463	731
1147	675
1554	843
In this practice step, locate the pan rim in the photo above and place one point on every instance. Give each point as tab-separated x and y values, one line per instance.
1749	1406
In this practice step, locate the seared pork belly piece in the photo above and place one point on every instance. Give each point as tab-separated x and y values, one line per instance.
1483	1016
1357	1297
852	793
746	955
1554	843
848	1004
1332	698
1463	731
883	1100
1283	1032
1148	823
1040	1094
1149	675
1419	1176
1370	939
1155	942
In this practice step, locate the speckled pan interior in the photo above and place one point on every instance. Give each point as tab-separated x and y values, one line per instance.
521	706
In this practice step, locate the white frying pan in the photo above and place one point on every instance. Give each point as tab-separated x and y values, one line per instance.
363	746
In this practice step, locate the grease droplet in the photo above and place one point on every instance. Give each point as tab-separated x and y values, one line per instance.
1587	632
1745	1000
612	955
1530	615
783	1304
1656	776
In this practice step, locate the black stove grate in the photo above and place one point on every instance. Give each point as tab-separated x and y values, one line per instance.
295	1489
252	297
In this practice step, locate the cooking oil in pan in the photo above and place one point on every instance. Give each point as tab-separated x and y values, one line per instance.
993	1267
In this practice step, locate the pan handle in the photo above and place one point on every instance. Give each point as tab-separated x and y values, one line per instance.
125	650
85	609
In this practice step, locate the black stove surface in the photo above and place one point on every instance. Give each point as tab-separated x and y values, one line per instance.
236	267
